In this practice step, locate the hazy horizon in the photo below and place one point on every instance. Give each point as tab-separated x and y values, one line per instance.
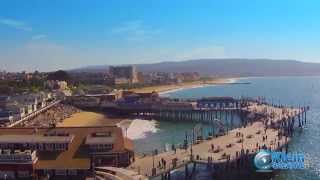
47	35
161	62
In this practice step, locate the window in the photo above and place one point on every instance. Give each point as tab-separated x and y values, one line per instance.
72	172
3	146
23	174
32	146
60	147
47	172
40	147
6	174
49	147
61	172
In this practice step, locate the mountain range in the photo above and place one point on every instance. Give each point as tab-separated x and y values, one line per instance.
226	67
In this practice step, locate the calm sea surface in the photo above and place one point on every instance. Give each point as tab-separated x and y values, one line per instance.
284	90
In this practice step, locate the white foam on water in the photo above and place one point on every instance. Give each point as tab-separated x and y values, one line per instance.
139	128
167	93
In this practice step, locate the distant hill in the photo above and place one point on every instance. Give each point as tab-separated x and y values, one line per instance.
227	67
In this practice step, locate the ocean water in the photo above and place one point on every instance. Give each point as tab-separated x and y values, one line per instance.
295	91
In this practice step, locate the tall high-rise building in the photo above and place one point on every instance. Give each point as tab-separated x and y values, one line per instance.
124	74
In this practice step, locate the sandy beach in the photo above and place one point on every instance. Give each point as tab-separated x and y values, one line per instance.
186	85
89	119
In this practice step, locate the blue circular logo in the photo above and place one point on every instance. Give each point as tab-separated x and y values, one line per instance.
263	160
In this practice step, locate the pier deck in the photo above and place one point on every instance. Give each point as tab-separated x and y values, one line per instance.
252	140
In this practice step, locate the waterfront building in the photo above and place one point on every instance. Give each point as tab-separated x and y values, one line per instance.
94	100
5	117
84	101
177	106
17	163
30	100
157	78
217	102
62	151
18	111
4	100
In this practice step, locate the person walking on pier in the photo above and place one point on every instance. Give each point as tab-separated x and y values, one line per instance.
162	162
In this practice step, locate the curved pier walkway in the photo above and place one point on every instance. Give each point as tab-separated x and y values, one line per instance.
272	131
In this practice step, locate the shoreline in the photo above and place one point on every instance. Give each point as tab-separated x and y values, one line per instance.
164	89
224	81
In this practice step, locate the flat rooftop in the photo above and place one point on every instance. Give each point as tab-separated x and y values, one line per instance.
90	140
30	138
77	156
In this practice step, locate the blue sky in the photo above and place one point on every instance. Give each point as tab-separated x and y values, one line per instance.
62	34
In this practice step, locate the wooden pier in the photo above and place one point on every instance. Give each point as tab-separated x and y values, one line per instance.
203	110
195	115
272	130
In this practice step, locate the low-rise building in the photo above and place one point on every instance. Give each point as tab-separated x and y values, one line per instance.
85	101
62	151
119	81
17	110
17	163
6	116
4	100
177	106
217	102
57	85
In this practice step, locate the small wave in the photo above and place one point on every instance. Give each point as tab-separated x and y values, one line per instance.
168	92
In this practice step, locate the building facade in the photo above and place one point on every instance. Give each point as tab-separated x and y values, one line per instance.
63	152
